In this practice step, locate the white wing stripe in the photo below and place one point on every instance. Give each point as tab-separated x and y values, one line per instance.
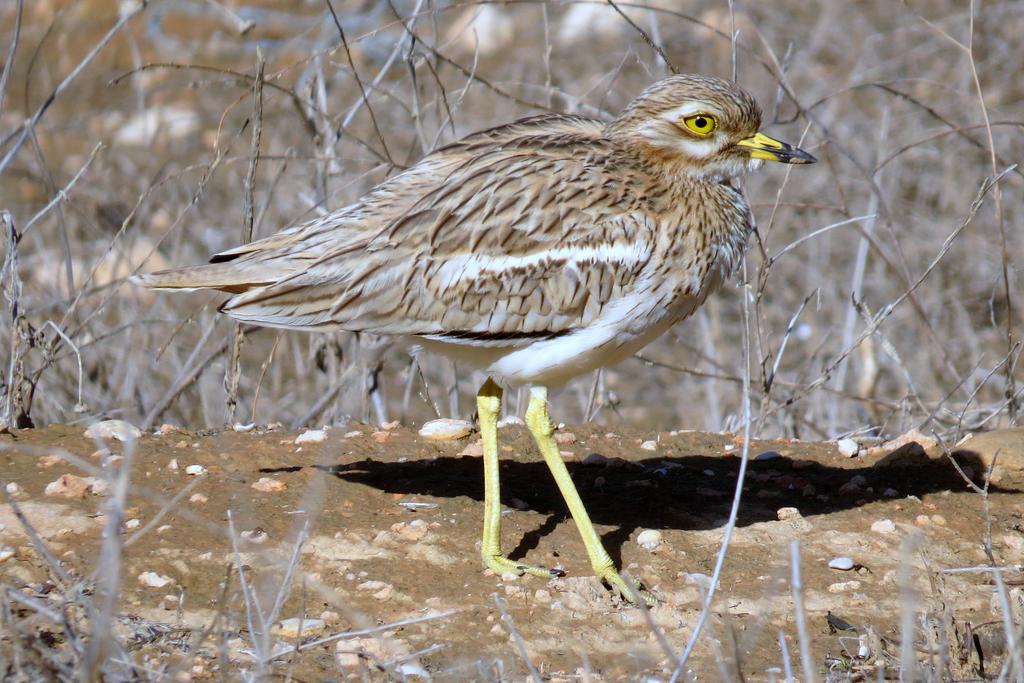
473	266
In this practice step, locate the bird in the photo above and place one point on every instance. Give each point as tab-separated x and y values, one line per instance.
537	251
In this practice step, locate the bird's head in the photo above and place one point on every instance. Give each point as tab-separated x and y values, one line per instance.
704	126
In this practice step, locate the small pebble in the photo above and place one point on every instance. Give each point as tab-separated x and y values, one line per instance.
198	498
296	627
884	526
787	513
154	580
595	459
311	436
445	429
354	433
132	524
565	438
255	536
649	445
768	455
649	539
269	485
68	486
381	436
169	602
167	429
195	470
113	429
938	520
172	464
510	420
848	447
6	553
243	428
844	586
841	563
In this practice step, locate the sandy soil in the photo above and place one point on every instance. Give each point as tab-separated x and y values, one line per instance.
393	534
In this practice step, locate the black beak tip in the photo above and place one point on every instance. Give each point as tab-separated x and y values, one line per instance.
810	158
798	156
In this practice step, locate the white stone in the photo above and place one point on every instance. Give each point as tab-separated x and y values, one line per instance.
841	563
113	429
649	445
848	447
169	122
649	539
243	428
787	513
154	580
195	470
844	586
445	429
311	436
6	553
254	536
884	526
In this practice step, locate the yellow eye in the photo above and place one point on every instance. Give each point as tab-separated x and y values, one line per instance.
701	124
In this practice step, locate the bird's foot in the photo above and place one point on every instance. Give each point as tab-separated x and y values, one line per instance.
629	591
499	564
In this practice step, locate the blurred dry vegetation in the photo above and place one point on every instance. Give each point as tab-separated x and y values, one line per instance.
882	287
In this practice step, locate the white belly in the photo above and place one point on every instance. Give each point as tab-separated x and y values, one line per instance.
625	327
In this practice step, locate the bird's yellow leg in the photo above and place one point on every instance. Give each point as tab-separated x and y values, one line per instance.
488	406
543	430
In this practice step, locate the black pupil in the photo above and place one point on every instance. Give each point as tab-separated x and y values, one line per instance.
700	122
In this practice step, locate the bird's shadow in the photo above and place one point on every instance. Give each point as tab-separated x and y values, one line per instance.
689	492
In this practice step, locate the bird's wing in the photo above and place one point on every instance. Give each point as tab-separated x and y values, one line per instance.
528	230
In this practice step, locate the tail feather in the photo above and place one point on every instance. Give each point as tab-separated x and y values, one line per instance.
226	277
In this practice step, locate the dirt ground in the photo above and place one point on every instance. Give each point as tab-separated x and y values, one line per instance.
393	534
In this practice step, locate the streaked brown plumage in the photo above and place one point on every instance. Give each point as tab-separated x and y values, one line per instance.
538	250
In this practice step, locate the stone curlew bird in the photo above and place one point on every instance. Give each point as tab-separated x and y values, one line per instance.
538	250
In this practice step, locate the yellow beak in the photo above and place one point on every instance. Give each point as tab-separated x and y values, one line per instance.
763	147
